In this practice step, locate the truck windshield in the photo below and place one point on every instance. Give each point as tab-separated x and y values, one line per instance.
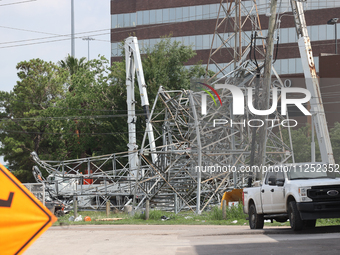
311	171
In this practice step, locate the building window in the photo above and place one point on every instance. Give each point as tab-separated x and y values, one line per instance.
199	12
146	17
213	11
298	66
172	15
186	14
139	18
152	17
133	19
126	17
179	15
192	13
114	21
206	11
291	65
120	20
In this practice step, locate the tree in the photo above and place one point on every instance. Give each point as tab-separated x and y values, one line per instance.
301	139
73	64
23	126
87	117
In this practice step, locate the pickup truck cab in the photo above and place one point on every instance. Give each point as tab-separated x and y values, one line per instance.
300	192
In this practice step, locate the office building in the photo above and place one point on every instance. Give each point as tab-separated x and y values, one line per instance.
193	22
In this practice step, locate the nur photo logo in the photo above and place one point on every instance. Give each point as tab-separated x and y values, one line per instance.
204	97
239	100
242	100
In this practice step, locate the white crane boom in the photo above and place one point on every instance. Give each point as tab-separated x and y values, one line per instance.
312	83
134	66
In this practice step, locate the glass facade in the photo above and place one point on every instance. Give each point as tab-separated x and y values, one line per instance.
210	11
203	42
203	12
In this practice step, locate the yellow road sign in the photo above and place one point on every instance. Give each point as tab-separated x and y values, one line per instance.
23	218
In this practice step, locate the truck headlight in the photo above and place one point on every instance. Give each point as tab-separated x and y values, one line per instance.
303	194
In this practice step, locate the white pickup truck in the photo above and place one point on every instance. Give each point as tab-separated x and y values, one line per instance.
300	192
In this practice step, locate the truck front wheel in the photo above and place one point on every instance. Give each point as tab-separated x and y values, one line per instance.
256	221
295	220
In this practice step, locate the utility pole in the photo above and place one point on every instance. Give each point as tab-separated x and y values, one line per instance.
88	39
266	87
336	40
334	21
239	30
72	29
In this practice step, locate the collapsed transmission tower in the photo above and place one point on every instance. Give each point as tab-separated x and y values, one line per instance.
193	149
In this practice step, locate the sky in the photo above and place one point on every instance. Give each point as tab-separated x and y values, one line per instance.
41	29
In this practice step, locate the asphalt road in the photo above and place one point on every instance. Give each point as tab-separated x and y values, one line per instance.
188	240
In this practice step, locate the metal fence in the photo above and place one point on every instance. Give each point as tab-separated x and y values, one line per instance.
37	189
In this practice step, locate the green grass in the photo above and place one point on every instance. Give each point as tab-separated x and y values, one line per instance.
214	216
235	216
233	213
327	222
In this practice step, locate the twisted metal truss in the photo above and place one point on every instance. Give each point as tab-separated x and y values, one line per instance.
196	161
200	160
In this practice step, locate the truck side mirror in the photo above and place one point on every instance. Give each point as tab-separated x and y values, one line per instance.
280	182
250	180
272	181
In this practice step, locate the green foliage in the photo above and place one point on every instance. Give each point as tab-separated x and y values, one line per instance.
91	126
328	222
40	86
164	65
55	113
72	64
232	213
216	213
335	140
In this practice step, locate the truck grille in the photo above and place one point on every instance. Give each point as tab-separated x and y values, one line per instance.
324	193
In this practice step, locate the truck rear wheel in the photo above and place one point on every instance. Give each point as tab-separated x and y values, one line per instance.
256	221
296	223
